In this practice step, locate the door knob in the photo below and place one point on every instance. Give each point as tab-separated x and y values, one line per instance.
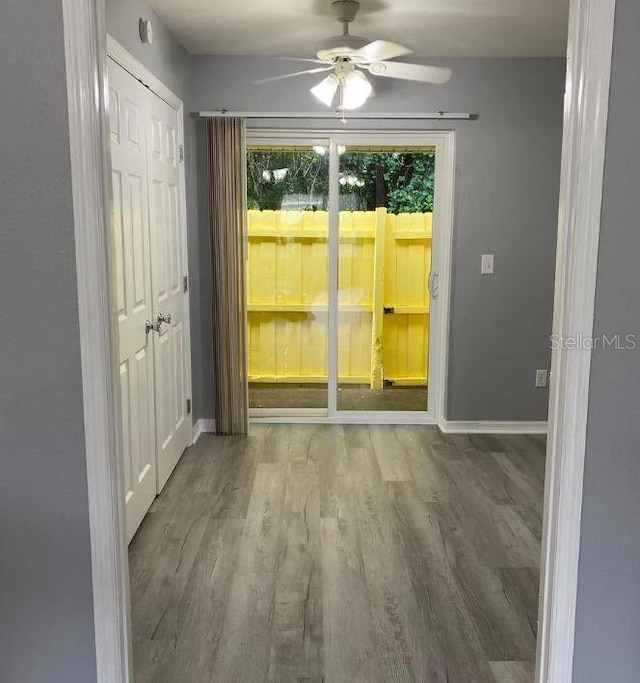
163	318
149	326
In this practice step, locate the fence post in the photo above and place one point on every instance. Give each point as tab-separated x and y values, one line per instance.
377	323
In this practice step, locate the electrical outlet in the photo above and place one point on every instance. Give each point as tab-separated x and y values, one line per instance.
486	264
541	378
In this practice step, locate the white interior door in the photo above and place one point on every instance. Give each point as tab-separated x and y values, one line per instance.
130	224
170	300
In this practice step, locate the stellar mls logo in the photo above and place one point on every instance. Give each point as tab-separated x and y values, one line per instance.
617	342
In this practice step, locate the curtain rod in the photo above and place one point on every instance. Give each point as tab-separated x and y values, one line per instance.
435	116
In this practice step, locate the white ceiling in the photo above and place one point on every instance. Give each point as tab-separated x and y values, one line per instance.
432	28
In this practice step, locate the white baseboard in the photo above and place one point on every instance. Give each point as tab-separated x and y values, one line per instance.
208	426
492	427
203	427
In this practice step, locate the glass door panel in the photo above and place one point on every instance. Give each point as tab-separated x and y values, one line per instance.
287	275
384	265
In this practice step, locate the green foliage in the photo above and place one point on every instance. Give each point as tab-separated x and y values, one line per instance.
403	182
307	174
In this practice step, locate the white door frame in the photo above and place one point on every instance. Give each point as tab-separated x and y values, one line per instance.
586	103
444	143
591	24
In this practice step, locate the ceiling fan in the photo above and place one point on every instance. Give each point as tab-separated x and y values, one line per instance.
347	57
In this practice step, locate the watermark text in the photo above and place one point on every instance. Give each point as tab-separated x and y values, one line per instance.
616	342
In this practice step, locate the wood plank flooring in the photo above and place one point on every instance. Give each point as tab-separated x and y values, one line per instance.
342	554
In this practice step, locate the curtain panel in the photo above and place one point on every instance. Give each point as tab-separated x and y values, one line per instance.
227	223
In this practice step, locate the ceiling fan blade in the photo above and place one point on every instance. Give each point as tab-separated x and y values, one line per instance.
380	50
300	59
297	73
410	72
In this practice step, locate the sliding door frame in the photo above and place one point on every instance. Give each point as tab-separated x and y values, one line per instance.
444	144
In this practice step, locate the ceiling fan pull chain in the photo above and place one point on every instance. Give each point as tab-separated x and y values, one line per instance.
341	104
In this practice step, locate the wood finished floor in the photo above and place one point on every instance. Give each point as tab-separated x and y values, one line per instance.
341	554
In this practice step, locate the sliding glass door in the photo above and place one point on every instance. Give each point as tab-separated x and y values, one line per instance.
287	275
341	276
384	257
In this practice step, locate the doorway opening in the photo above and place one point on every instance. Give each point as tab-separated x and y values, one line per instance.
585	126
347	248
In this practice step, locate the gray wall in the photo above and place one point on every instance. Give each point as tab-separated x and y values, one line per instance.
46	613
169	62
507	184
608	609
165	57
506	203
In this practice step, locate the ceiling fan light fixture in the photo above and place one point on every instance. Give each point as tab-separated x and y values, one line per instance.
345	56
326	89
356	89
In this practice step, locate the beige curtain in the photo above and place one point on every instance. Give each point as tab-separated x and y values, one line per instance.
227	221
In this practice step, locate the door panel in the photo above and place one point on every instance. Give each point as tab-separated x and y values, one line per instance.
149	268
384	264
287	275
173	424
130	226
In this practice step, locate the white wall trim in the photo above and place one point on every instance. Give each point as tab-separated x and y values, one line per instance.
312	416
84	39
591	25
443	248
492	427
201	427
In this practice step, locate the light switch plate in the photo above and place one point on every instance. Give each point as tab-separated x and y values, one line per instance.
486	265
541	378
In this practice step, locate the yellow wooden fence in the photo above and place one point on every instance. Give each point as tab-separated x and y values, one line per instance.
383	300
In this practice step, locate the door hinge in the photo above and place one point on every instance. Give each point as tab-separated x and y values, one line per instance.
188	406
388	310
185	284
181	153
